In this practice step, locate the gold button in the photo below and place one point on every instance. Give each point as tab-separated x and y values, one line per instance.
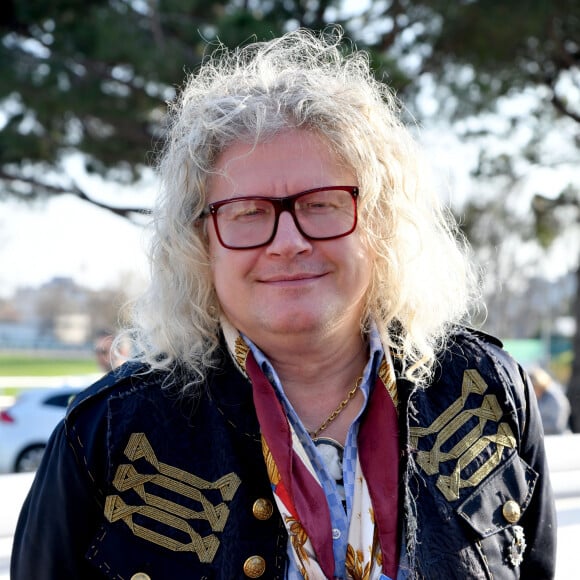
262	509
511	511
254	566
140	576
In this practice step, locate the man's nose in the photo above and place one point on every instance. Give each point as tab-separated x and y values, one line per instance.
287	238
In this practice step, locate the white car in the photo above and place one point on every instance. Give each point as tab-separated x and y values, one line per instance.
26	426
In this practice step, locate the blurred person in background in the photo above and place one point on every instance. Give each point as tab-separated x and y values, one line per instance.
552	402
306	401
109	353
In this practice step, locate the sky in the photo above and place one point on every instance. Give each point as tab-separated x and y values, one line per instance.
67	237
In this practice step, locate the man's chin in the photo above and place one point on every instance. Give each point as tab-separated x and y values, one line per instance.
299	325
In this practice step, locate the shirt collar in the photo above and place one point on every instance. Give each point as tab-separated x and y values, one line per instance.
376	353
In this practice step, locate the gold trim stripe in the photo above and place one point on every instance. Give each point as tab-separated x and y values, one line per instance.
128	478
241	351
272	468
472	383
387	375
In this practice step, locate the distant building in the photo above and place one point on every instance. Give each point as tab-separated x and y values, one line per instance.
55	315
72	329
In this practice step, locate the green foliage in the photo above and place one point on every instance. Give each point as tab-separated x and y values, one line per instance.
548	213
561	367
508	45
94	77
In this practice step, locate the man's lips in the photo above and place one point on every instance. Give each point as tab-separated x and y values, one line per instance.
289	278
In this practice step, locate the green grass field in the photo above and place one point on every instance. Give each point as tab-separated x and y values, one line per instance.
44	366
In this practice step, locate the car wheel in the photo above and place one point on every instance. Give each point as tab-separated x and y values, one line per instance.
29	459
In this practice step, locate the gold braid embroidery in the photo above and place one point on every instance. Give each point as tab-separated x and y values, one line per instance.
241	351
471	446
387	375
170	513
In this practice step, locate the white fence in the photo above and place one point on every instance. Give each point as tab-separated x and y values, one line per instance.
563	452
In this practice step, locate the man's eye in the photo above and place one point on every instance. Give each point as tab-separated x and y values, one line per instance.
318	206
241	213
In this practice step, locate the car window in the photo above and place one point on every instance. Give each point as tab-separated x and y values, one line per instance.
61	400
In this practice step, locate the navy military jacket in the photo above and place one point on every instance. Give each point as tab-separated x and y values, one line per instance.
142	482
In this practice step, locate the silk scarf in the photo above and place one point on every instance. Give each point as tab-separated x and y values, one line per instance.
373	538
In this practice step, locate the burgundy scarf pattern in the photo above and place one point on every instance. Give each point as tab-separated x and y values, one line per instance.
301	495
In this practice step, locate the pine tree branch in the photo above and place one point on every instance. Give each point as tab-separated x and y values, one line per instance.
40	188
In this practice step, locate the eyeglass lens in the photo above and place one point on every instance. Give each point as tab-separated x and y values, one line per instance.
320	214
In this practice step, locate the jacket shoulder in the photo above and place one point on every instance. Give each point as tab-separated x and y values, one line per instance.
486	337
121	399
475	334
108	384
469	348
474	343
126	382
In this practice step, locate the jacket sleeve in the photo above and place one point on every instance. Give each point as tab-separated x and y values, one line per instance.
539	520
58	520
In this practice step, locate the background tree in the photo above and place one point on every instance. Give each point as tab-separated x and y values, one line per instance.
488	55
91	78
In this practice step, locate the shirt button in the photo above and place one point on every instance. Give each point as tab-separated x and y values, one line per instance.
336	533
140	576
262	509
511	511
254	566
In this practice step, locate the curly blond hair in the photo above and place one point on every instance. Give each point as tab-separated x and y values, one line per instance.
421	282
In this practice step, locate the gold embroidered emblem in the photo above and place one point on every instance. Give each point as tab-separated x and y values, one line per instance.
472	446
164	511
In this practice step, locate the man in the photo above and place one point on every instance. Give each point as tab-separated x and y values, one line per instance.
108	355
305	404
552	402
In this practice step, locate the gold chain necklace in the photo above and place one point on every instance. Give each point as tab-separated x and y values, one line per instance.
338	410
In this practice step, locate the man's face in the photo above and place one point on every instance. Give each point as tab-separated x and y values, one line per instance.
292	287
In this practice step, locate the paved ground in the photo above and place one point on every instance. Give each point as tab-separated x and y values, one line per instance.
14	488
